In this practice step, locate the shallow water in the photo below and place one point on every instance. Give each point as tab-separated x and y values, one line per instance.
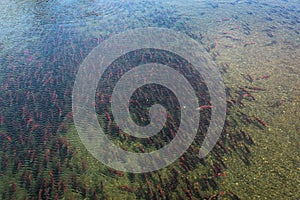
255	44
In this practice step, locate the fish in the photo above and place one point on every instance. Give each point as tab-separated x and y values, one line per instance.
204	107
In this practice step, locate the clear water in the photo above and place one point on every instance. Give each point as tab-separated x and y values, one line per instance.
253	43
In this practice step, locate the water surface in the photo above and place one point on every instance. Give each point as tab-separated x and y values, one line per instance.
255	44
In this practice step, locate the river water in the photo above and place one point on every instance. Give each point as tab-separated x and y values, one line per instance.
254	44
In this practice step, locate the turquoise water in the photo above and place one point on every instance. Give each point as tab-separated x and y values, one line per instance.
255	45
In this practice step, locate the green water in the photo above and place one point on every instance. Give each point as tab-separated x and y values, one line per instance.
257	39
